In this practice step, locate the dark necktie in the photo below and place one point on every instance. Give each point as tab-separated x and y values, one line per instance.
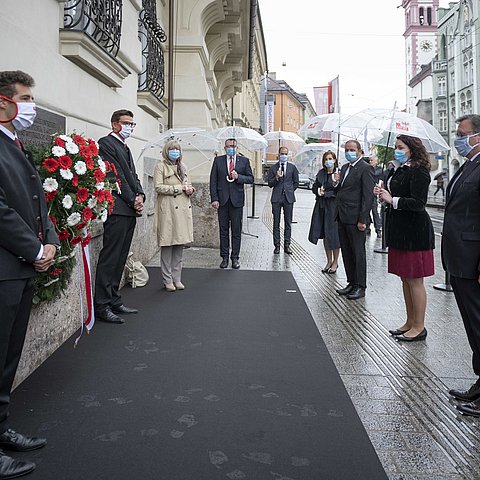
282	166
18	143
465	170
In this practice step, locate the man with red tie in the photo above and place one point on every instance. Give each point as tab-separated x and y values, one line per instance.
228	176
28	244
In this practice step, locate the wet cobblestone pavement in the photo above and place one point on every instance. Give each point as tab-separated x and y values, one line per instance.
399	391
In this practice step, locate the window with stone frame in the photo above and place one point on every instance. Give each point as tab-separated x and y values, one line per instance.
442	117
151	35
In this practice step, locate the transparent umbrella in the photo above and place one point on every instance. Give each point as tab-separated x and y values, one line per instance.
247	138
324	127
308	159
283	139
381	127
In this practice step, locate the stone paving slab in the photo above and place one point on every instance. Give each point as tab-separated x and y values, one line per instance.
399	391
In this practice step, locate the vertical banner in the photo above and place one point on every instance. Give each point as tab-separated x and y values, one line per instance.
334	96
321	99
270	116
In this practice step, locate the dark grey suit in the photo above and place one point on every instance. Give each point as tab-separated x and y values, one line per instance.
23	221
461	248
354	201
283	196
119	228
231	196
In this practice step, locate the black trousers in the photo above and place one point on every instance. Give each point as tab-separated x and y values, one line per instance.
467	295
117	238
15	305
287	217
377	222
352	243
230	218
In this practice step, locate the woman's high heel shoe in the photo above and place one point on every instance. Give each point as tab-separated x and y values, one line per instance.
331	270
421	336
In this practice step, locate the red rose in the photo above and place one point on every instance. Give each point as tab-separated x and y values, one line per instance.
86	240
63	235
80	226
59	142
50	164
79	140
53	219
99	195
75	180
108	196
99	175
87	214
89	163
82	194
65	161
93	146
75	240
49	196
85	151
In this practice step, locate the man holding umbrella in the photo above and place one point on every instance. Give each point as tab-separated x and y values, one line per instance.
228	176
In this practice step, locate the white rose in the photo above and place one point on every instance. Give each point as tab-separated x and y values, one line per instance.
58	151
66	173
103	215
100	185
101	165
92	202
50	184
80	167
67	202
73	219
72	147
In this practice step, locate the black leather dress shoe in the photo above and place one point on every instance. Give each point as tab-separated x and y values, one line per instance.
398	332
11	440
288	250
12	468
356	293
472	408
108	316
277	250
344	291
470	395
124	309
421	336
224	263
235	264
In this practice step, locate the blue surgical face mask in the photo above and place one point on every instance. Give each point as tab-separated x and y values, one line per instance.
351	157
231	151
462	146
174	154
400	156
329	163
283	158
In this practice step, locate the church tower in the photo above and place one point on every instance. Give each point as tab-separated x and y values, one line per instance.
420	34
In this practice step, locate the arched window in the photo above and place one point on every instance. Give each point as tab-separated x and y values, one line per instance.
429	15
422	16
463	104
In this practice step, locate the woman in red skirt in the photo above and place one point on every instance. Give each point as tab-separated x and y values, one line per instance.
409	231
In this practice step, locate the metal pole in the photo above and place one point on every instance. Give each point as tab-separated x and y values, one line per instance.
170	63
253	202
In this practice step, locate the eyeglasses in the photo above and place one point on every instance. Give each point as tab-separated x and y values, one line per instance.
131	124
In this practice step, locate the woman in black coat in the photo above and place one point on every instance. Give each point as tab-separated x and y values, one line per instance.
410	236
323	224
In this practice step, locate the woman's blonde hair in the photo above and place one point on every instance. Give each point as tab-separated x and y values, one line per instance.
168	146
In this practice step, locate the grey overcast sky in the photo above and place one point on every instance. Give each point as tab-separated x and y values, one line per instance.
361	41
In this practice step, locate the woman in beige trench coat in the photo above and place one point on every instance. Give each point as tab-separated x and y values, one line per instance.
174	222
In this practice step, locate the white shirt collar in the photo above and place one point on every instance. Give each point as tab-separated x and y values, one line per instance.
8	133
118	137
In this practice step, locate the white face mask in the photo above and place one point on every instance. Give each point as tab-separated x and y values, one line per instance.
126	131
26	115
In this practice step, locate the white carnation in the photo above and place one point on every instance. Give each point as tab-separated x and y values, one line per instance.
73	219
92	202
67	202
50	184
65	138
101	165
58	151
72	147
66	173
80	167
100	185
103	215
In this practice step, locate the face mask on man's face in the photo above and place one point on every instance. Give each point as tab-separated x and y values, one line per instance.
462	144
231	151
27	112
283	158
351	156
125	131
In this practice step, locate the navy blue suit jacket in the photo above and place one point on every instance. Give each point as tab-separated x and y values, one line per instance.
288	183
221	190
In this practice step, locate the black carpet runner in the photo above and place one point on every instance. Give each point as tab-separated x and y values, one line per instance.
228	379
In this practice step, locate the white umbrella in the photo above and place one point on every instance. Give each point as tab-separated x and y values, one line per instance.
322	126
381	127
283	139
309	157
245	137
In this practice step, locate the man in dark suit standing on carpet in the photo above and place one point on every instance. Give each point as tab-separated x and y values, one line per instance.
283	178
120	225
461	247
28	243
228	176
354	193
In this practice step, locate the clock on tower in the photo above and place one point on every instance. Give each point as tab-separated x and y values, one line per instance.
420	34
